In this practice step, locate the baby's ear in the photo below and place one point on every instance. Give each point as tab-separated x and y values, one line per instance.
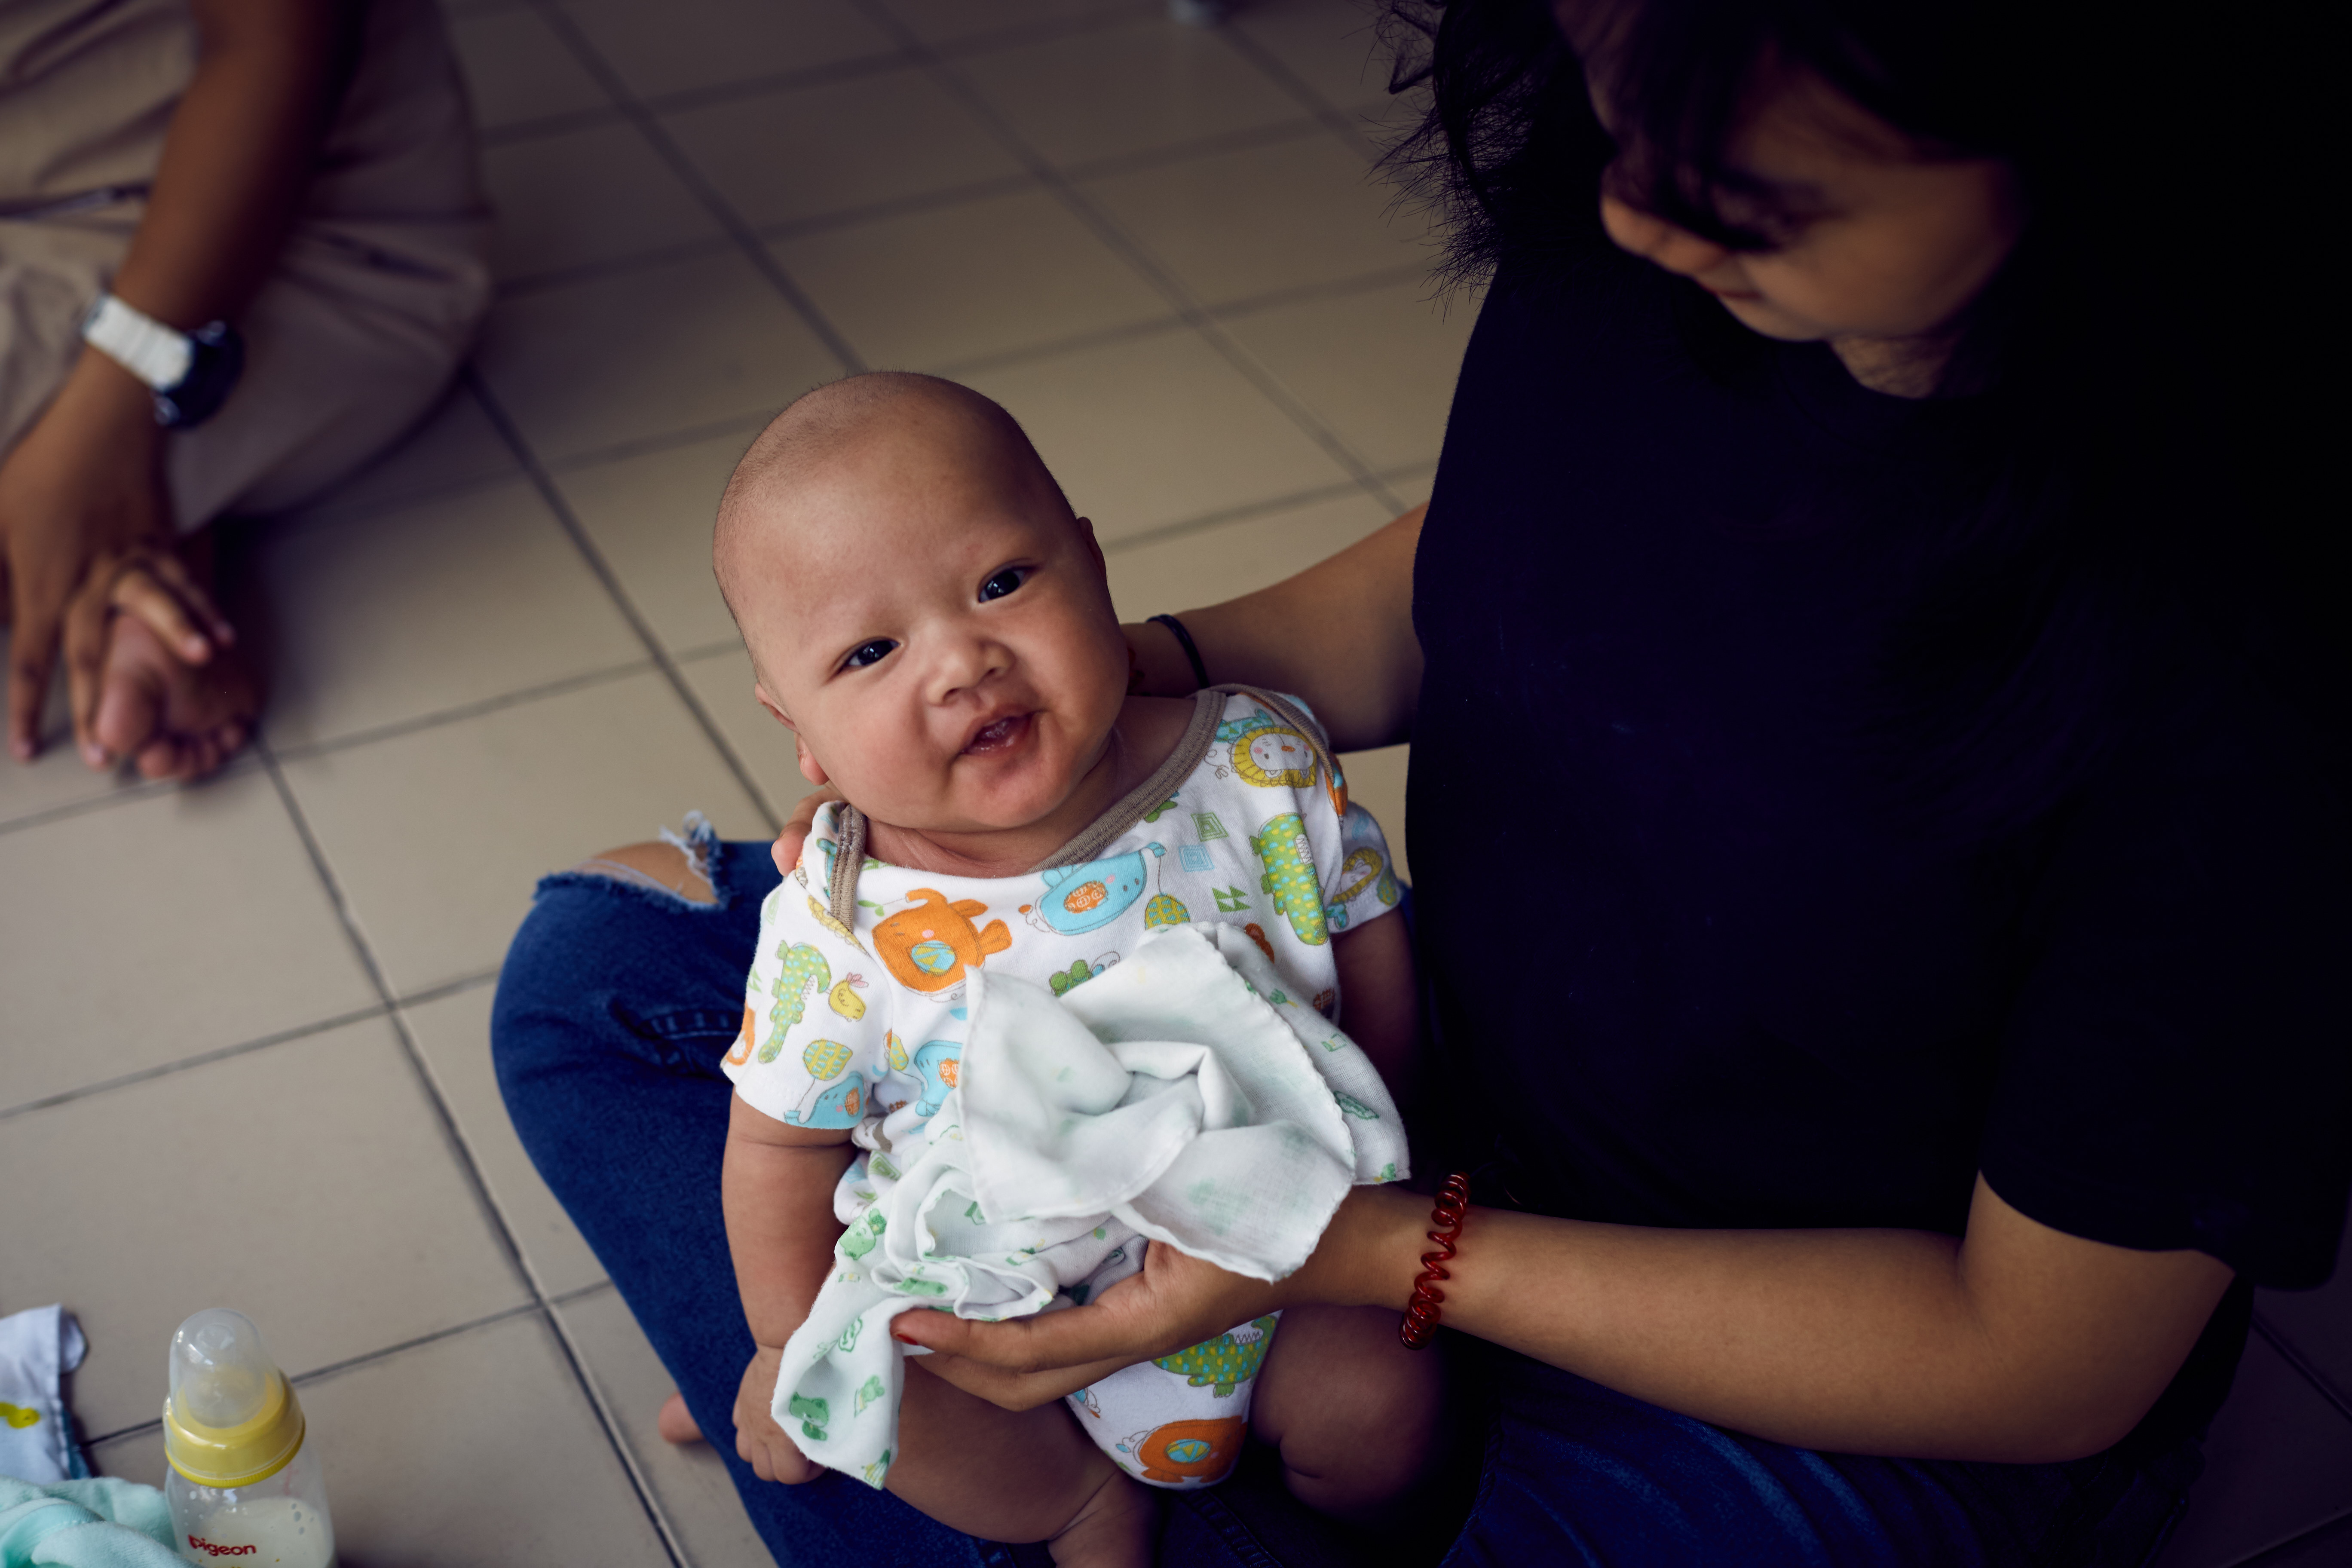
759	690
1094	546
811	769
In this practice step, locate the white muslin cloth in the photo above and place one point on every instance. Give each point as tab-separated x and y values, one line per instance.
1170	1098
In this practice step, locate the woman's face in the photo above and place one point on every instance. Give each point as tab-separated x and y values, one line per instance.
1869	245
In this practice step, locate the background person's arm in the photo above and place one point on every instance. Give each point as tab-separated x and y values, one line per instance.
84	485
1339	634
2017	1345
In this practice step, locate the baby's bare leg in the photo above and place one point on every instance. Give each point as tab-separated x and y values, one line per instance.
1025	1474
1354	1413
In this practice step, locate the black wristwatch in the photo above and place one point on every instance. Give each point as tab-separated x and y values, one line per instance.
191	374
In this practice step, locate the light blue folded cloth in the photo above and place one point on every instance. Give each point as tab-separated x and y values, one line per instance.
37	1347
98	1523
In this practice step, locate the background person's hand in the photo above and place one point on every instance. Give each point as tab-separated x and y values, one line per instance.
1175	1302
84	532
762	1444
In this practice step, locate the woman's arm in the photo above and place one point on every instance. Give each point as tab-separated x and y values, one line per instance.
1340	635
84	485
2017	1345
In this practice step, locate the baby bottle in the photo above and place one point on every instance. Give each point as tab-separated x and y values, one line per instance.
243	1486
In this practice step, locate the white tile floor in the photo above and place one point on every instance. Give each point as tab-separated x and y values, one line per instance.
244	1025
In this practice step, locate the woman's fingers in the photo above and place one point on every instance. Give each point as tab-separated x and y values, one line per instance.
32	647
1051	1341
789	842
1176	1301
1019	1390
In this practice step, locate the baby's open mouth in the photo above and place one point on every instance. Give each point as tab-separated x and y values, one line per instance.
999	733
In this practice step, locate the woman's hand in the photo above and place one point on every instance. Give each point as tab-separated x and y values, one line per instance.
1177	1302
763	1445
85	530
786	851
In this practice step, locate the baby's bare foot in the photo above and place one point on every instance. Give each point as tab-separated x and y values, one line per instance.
169	718
675	1422
1114	1529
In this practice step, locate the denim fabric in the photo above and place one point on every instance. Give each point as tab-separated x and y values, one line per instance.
617	1002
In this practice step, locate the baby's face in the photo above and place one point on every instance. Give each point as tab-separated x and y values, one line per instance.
942	638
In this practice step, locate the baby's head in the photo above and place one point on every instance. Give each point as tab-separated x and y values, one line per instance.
920	604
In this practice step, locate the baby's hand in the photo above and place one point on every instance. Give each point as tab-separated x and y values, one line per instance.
762	1444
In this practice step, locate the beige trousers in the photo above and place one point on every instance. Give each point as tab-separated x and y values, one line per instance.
370	308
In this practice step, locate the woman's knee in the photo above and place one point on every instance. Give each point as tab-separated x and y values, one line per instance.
656	863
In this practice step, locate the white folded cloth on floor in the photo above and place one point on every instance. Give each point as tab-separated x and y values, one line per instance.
1180	1095
39	1347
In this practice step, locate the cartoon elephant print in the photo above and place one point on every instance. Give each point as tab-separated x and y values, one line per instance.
936	1063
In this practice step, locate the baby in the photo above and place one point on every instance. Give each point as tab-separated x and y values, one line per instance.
926	615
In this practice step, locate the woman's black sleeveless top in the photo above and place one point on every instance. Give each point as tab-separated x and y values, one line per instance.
1697	958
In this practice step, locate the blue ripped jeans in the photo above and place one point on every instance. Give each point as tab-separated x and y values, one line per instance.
617	1002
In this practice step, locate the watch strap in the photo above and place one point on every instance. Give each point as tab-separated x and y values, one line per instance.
155	353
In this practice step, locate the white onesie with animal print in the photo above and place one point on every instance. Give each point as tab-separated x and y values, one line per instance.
855	1016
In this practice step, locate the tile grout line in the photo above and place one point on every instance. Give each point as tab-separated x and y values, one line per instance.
849	69
468	1166
300	751
366	953
336	514
2255	1559
349	1363
685	100
122	795
1336	490
202	1058
1328	115
621	1448
663	659
682	169
433	993
2293	1355
1154	273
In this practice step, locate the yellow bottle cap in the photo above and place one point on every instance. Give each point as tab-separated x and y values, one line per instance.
231	1419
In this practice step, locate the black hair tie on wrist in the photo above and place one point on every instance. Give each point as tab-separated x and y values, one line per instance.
1192	651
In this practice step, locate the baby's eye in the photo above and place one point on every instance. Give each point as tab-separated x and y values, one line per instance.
865	653
1003	582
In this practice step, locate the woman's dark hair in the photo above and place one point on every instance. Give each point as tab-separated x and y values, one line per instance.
2151	429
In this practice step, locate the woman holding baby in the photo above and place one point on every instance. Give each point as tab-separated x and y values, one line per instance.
1877	804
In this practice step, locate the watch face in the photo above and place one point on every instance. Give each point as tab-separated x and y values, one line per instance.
216	359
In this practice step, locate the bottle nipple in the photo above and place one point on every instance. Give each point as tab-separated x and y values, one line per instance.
220	1372
230	1418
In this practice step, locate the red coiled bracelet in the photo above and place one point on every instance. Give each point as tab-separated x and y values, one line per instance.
1419	1325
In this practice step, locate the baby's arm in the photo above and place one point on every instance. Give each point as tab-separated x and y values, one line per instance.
776	1186
1380	1003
